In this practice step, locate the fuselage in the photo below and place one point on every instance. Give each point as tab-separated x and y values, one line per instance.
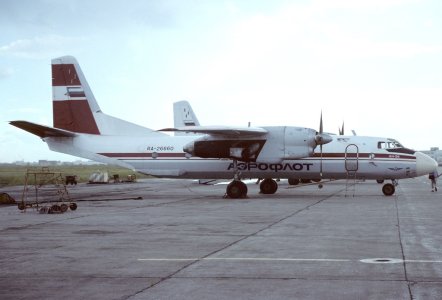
163	156
214	152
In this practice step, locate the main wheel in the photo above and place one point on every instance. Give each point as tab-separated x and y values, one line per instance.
388	189
21	206
268	186
64	207
380	181
236	189
293	181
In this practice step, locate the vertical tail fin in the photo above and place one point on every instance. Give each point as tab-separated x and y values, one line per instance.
73	102
183	116
75	108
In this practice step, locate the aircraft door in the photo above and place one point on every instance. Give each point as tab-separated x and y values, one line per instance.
352	158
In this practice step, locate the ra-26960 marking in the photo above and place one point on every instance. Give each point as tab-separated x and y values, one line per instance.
160	148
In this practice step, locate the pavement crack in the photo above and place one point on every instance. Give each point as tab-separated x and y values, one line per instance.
172	275
404	263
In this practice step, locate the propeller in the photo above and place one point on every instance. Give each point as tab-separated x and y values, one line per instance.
322	138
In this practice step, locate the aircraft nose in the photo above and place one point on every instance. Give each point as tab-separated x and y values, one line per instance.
424	164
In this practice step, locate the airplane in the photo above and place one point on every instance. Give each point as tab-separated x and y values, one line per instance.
82	129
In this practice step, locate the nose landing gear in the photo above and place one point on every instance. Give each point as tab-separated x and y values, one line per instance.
389	188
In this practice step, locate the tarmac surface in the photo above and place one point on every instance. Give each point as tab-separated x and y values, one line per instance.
176	239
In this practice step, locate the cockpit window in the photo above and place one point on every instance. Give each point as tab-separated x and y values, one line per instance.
391	145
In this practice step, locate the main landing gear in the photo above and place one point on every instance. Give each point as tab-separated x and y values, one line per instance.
238	189
268	186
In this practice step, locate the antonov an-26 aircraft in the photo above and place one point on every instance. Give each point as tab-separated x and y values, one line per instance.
216	152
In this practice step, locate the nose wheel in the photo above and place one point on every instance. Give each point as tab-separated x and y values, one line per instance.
389	188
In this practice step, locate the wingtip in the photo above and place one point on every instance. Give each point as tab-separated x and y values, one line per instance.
168	129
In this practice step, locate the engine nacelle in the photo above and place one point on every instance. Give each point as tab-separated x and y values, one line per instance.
279	143
299	142
213	147
284	142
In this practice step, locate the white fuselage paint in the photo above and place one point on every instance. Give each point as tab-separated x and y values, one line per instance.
163	156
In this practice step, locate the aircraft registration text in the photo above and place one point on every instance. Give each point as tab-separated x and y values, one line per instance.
160	148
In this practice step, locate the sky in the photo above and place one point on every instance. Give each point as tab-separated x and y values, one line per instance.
375	65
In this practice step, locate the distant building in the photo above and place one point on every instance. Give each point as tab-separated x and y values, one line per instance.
43	162
20	163
435	153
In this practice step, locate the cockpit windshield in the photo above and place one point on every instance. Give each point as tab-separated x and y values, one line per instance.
391	145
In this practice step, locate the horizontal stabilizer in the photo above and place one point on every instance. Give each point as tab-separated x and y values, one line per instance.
41	130
220	130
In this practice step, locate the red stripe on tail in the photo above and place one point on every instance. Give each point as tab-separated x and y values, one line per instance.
71	111
74	116
64	75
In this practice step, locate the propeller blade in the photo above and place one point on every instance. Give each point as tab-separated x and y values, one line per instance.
320	141
321	137
320	163
341	130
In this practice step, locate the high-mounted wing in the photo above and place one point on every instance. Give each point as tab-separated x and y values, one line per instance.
220	130
251	144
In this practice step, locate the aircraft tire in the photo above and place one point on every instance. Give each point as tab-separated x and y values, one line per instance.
236	189
64	207
21	206
388	189
293	181
380	181
268	186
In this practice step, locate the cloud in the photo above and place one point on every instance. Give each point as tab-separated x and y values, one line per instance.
359	5
345	46
40	46
83	15
6	73
303	41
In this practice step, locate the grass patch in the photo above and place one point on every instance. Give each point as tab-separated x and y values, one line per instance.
12	175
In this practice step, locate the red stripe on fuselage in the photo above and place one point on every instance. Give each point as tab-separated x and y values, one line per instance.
64	74
362	156
141	155
74	115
